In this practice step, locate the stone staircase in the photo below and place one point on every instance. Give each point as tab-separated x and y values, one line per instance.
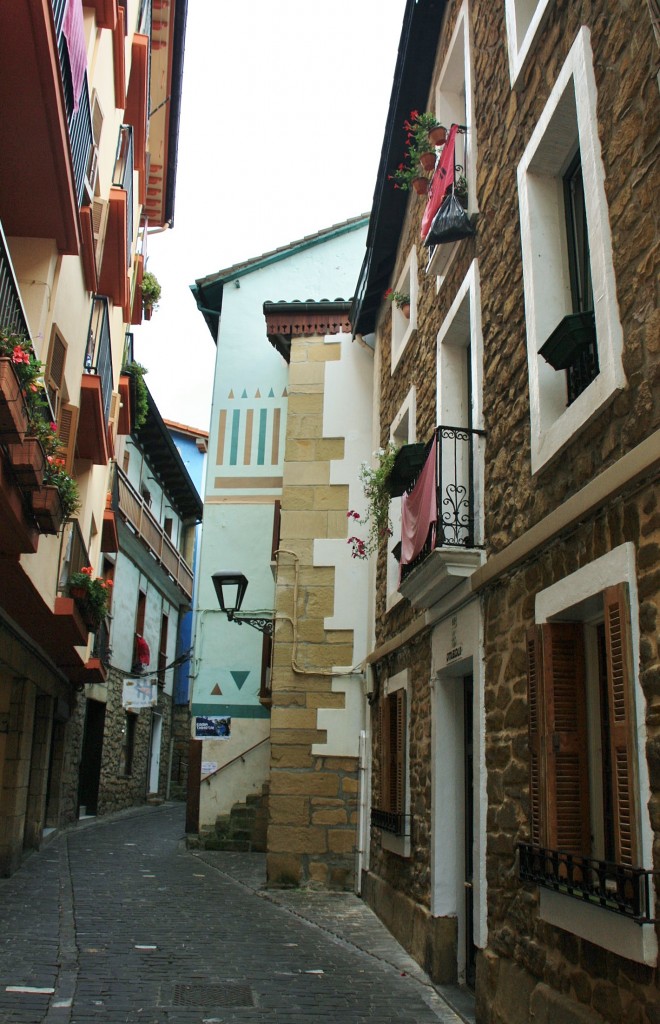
243	830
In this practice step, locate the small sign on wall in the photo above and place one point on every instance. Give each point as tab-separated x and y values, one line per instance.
208	767
138	693
217	727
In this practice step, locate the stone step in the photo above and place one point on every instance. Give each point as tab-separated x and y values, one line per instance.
232	845
240	812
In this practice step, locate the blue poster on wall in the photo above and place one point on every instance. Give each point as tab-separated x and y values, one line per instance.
212	727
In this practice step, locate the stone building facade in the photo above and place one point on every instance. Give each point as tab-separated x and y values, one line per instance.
560	106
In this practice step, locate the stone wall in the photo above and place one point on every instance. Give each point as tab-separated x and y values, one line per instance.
180	751
524	951
118	791
312	831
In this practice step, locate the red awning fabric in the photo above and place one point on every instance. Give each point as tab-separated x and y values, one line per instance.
419	511
443	179
73	29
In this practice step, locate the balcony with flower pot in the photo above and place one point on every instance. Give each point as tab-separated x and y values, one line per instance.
440	518
115	265
96	387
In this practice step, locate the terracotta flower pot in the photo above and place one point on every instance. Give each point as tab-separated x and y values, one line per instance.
28	461
438	135
148	310
13	414
420	185
47	508
405	309
427	160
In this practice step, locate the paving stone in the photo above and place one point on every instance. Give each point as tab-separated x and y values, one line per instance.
225	949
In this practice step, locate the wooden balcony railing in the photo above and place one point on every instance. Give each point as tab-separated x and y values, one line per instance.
135	511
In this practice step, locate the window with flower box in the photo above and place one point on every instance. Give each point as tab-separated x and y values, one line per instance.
567	263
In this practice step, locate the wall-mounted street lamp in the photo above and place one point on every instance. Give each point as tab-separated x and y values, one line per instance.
230	588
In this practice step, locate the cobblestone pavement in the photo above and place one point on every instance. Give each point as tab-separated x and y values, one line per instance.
117	921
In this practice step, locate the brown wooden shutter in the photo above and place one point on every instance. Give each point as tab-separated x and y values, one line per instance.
100	211
537	800
399	745
565	738
384	751
67	430
621	712
54	375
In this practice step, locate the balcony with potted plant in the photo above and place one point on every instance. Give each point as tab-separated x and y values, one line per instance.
96	387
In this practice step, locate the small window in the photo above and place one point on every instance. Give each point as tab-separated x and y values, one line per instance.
167	526
402	431
162	650
404	320
391	816
128	745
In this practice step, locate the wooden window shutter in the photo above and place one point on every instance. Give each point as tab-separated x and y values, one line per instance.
621	714
100	210
54	375
565	738
67	429
535	725
384	750
399	780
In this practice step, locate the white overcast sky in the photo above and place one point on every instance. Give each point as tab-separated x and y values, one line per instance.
282	122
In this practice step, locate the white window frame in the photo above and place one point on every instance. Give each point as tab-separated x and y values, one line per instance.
569	118
523	28
609	931
461	325
403	430
400	844
403	328
456	73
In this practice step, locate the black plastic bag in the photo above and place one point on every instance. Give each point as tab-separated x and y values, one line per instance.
450	223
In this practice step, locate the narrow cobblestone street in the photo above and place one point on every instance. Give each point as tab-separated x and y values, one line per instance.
116	920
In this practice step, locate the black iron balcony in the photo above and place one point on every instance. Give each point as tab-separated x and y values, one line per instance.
455	489
12	315
123	178
390	821
615	887
96	387
79	120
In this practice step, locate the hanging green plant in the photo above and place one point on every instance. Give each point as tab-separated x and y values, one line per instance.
150	290
375	482
137	372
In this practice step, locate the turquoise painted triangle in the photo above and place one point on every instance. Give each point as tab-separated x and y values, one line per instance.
244	395
239	678
271	393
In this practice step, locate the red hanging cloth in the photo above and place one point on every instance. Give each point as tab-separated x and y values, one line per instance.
142	653
443	179
419	511
73	30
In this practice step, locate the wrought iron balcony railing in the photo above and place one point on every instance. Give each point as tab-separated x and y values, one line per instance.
12	314
101	648
135	511
123	178
455	474
98	354
389	821
616	887
79	121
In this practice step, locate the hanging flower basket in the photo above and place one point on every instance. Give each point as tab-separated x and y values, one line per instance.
405	309
575	332
13	412
438	135
47	508
408	464
28	461
420	185
427	160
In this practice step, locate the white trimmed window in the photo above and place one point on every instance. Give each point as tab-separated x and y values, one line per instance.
561	176
404	326
589	787
454	104
402	431
524	22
